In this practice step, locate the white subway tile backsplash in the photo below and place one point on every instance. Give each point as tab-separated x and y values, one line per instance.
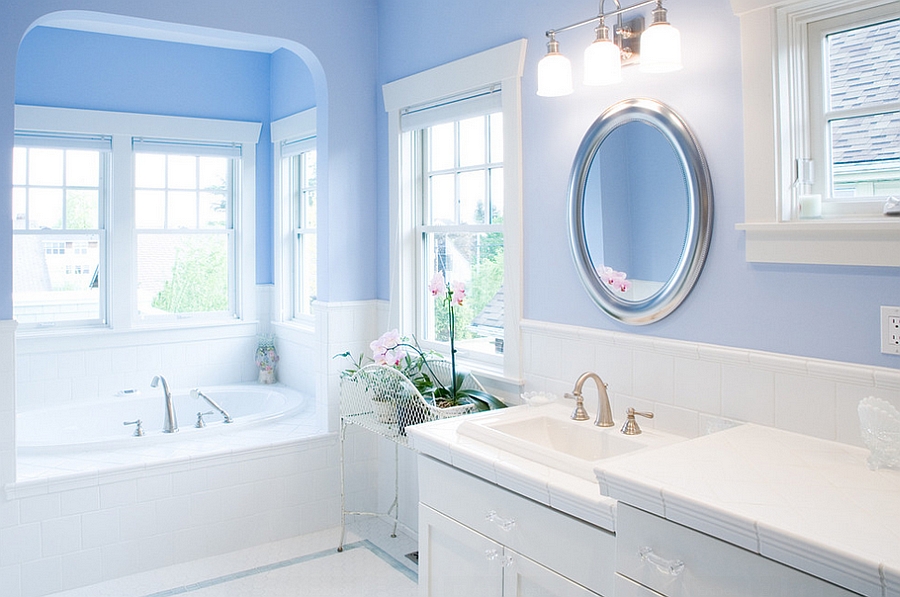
121	493
806	405
137	521
698	385
748	394
154	488
712	387
654	377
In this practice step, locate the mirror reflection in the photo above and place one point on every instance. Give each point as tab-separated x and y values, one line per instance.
640	211
636	209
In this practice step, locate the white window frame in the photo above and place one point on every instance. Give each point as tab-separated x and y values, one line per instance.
300	130
123	128
501	66
774	58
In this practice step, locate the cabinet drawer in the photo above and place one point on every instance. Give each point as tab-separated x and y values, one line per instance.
575	549
680	562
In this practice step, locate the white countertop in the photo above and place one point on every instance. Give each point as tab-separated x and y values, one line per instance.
811	504
561	491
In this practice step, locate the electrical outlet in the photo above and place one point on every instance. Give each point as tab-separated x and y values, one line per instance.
890	330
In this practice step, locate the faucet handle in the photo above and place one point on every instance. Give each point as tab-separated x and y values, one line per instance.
138	430
200	422
579	414
631	427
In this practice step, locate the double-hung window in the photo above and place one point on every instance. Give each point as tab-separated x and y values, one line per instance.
59	244
129	220
459	204
294	138
821	94
455	211
184	228
854	77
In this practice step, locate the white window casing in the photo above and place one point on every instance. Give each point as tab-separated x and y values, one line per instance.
129	130
501	66
777	102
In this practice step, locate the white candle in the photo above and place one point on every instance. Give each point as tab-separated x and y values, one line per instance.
810	206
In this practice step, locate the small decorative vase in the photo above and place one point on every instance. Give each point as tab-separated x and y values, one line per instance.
266	357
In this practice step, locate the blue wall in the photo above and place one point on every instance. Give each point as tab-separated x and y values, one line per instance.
817	311
75	69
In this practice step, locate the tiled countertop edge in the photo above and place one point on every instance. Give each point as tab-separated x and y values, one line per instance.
562	492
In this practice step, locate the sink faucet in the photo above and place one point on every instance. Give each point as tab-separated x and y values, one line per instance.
604	417
171	424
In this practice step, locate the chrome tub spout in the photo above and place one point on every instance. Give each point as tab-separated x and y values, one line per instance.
171	424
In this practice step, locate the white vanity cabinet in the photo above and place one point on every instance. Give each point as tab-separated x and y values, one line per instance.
655	556
479	540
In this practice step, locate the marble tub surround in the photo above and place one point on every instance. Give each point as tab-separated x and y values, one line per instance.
544	484
808	503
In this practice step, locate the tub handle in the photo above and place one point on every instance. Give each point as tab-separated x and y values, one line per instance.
200	424
138	430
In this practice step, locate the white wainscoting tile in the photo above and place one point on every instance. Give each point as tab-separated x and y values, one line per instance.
748	394
806	404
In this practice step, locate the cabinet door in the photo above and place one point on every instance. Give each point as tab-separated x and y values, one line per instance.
525	578
455	561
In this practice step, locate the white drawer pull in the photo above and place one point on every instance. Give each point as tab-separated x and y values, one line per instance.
505	524
670	567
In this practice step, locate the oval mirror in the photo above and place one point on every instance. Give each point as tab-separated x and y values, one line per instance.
640	211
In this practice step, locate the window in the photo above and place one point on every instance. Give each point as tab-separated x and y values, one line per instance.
460	222
59	193
821	85
855	110
300	185
294	138
455	187
124	220
183	205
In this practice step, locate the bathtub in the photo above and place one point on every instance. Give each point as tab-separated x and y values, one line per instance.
98	424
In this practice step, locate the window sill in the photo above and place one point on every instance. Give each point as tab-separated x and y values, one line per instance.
874	242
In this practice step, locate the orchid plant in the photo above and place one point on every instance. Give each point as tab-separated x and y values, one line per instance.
404	354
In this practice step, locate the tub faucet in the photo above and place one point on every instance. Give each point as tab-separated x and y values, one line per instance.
604	416
196	393
171	424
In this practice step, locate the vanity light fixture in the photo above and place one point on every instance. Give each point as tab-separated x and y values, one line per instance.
659	44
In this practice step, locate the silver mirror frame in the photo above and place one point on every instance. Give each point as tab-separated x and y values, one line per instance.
700	211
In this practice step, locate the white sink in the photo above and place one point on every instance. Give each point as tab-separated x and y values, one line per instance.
548	436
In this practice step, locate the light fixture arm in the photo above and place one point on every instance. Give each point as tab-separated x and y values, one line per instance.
615	13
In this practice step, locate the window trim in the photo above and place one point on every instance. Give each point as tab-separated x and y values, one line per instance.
502	65
773	58
294	128
123	128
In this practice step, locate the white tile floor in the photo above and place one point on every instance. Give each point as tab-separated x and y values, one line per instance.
372	564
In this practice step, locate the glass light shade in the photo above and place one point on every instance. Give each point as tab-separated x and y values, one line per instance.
554	75
602	63
660	48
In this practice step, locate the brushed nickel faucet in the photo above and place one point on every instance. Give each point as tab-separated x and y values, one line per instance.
196	393
604	416
171	424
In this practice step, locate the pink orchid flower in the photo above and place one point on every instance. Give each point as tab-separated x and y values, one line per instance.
437	285
458	292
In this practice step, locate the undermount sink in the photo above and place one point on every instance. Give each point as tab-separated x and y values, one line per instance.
548	436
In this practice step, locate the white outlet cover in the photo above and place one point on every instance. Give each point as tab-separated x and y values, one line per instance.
890	330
